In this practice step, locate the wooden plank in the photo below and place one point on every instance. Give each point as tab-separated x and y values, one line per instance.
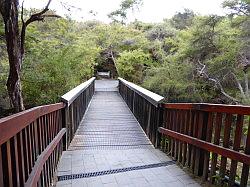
23	119
21	158
168	125
208	139
186	117
28	165
194	133
226	139
10	172
30	151
235	155
190	133
17	162
181	129
245	170
200	128
36	139
172	128
230	109
176	126
236	146
217	132
1	167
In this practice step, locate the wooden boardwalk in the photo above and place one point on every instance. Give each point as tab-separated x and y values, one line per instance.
111	149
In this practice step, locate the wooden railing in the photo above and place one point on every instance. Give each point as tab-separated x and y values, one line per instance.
212	140
77	101
145	105
30	146
32	141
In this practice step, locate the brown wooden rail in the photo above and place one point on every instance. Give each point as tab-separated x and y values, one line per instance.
212	140
24	139
31	141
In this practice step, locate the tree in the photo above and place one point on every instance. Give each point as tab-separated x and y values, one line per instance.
182	20
120	15
238	7
132	64
15	41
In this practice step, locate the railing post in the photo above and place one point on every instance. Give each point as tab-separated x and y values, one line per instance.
200	153
159	124
65	125
149	120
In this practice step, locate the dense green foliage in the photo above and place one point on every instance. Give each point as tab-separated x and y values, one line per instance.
188	58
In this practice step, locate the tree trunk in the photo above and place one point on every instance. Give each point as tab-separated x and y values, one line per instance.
10	16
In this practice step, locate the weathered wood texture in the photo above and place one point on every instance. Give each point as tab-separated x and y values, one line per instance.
145	105
212	140
108	123
30	146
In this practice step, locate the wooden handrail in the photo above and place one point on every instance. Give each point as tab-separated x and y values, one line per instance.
207	107
11	125
38	167
197	131
226	152
153	98
70	96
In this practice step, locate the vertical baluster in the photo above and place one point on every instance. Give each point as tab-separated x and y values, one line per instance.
181	129
28	165
194	133
17	162
21	158
32	133
200	153
42	128
177	124
167	125
1	167
208	139
226	139
53	135
185	131
216	142
10	172
172	128
245	169
36	139
236	146
190	133
30	152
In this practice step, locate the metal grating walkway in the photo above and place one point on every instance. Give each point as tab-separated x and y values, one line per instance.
111	149
108	123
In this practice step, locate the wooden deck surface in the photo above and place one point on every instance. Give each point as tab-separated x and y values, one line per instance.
111	149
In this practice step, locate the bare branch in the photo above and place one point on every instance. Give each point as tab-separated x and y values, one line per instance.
38	16
246	84
35	17
216	82
238	84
